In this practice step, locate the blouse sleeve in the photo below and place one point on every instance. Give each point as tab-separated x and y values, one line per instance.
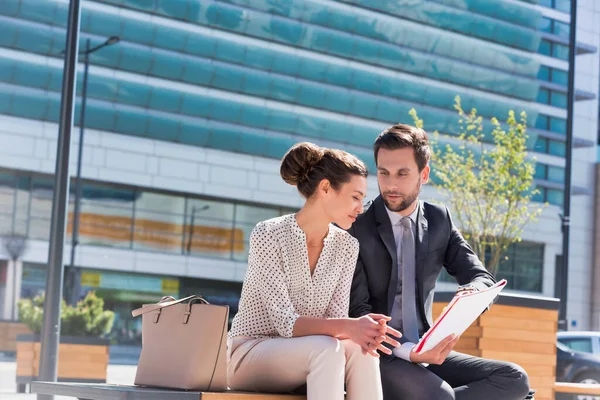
340	301
265	267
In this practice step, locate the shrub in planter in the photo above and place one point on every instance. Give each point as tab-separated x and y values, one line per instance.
87	318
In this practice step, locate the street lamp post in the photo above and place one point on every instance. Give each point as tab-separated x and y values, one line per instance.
75	271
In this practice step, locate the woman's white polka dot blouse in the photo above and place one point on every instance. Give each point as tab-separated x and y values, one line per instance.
279	288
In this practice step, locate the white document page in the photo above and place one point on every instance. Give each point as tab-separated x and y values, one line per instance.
460	313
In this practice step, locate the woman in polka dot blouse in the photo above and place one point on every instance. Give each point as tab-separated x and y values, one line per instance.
292	327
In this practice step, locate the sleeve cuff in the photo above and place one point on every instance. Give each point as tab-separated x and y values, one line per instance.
404	350
288	330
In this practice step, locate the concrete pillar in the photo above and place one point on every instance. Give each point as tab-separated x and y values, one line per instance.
12	292
595	292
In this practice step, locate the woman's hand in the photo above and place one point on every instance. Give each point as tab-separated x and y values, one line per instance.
370	334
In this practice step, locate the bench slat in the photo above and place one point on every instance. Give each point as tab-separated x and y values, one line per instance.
91	391
576	388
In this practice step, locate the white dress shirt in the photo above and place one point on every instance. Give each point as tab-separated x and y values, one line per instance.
279	288
404	350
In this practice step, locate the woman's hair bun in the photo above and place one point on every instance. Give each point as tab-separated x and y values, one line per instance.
299	161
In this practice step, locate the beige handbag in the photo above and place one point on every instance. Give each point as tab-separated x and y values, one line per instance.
183	344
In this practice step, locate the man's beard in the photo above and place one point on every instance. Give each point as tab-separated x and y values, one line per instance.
405	203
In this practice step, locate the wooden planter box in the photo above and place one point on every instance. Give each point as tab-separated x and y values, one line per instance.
519	329
80	359
8	335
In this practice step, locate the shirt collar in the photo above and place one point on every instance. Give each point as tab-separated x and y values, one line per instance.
395	217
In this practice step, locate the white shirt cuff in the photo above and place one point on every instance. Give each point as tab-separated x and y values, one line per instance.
404	350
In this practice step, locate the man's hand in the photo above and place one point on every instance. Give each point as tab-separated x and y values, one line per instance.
438	354
466	289
384	331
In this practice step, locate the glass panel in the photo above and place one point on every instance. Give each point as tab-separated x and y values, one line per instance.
559	99
555	197
583	345
41	208
541	171
560	51
7	201
558	125
544	73
556	174
545	47
543	96
209	228
560	76
106	216
558	148
158	222
542	122
541	145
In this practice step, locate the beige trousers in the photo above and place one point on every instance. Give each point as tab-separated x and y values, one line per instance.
323	363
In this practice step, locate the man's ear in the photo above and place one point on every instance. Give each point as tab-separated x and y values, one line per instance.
425	174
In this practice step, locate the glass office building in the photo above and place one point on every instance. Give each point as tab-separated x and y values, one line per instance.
188	115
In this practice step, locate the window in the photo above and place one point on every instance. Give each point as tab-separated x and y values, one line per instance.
158	222
209	228
522	267
583	345
555	50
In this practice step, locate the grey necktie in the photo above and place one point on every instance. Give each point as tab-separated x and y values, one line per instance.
410	325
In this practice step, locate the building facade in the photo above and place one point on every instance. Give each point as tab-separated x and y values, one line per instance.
188	115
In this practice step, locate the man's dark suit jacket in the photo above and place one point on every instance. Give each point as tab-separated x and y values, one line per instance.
438	244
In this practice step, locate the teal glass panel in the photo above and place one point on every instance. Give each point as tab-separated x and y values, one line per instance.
556	174
555	197
165	99
132	123
227	79
226	111
34	75
177	9
541	145
29	106
197	106
545	47
311	95
558	99
169	38
9	7
558	125
560	51
545	25
255	117
224	137
194	134
560	76
541	171
542	122
8	34
139	32
100	23
201	45
258	85
563	5
543	96
199	72
166	67
286	65
557	148
162	128
544	73
283	90
137	95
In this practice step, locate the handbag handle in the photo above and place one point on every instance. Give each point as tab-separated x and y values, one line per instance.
166	302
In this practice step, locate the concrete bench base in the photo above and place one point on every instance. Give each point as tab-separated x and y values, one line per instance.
576	391
91	391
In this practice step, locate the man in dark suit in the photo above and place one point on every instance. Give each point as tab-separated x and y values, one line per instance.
404	243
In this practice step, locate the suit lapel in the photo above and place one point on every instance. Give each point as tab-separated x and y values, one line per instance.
422	247
384	228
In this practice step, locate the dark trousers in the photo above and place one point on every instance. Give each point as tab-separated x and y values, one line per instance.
460	377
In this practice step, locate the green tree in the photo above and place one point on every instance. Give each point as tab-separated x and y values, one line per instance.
87	318
489	186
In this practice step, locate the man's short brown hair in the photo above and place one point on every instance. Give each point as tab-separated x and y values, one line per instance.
401	136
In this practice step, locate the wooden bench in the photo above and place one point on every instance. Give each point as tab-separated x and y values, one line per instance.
576	391
95	391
